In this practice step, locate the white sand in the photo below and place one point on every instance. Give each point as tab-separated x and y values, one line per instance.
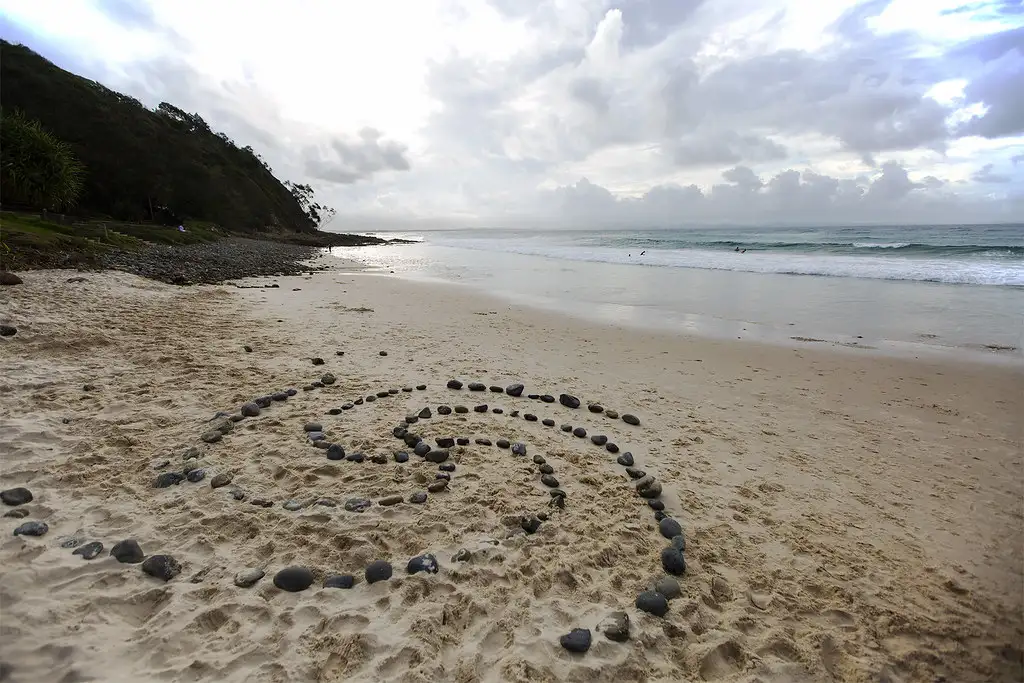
871	505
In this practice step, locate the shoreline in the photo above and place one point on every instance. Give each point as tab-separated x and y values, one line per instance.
868	504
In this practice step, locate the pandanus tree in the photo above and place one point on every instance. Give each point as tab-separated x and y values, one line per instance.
36	168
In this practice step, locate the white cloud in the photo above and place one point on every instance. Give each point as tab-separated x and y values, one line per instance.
496	109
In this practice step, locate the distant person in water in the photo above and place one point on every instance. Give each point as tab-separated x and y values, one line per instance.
736	249
643	252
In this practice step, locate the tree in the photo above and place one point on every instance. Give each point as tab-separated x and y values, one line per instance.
319	215
36	167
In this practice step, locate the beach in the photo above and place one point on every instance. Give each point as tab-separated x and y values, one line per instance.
849	514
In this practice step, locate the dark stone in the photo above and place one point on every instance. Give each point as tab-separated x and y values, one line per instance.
542	516
612	414
566	428
379	459
419	498
599	439
384	393
549	480
514	390
411	419
162	567
407	390
546	469
519	448
436	455
16	496
548	422
678	542
358	504
446	467
529	417
652	602
444	410
196	475
668	587
445	442
635	473
313	427
421	449
547	398
32	529
250	409
127	551
328	379
443	475
294	579
401	456
660	515
371	398
279	396
318	361
438	486
322	444
388	501
334	411
576	640
89	550
347	406
292	505
237	417
669	527
502	443
673	561
421	387
530	524
238	494
556	493
656	504
626	459
166	479
422	563
335	452
8	330
8	278
497	411
358	402
379	570
579	432
539	459
497	390
569	401
383	353
615	627
611	448
355	457
480	409
263	401
461	410
595	408
308	387
631	419
326	502
533	397
483	442
212	436
17	513
339	353
462	441
476	386
650	490
317	384
339	581
316	436
425	413
454	384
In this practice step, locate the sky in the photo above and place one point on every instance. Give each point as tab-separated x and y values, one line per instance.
578	113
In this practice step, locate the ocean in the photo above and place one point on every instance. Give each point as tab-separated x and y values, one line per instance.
915	288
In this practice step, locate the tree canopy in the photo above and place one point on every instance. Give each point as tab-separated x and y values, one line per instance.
35	167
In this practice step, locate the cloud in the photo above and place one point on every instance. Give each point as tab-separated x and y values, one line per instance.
987	175
348	161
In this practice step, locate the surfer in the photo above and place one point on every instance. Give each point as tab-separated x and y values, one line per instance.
643	252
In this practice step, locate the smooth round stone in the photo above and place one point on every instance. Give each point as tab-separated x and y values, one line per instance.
411	440
316	436
263	401
347	406
418	498
515	389
313	427
461	410
318	384
514	413
222	479
323	444
166	479
421	387
127	551
425	414
438	486
576	640
237	417
579	432
652	602
294	579
549	480
371	398
326	502
436	456
291	392
334	411
379	570
483	442
480	408
476	386
497	411
16	496
595	408
190	466
32	529
401	456
462	441
530	524
247	578
335	452
212	436
384	393
611	448
379	459
668	587
546	469
529	417
612	414
539	459
411	419
197	475
407	390
615	627
399	432
678	542
279	396
631	419
308	387
569	401
443	475
503	443
660	515
533	397
445	442
339	581
454	384
673	561
547	398
566	428
162	567
656	504
444	410
446	467
497	389
669	527
422	563
89	550
421	449
329	378
387	501
358	504
383	353
635	473
250	409
191	453
519	448
651	490
318	361
358	402
599	439
548	422
292	505
17	513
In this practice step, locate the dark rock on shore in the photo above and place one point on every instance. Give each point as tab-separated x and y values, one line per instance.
419	498
294	579
547	398
379	459
197	475
335	452
421	387
425	414
17	513
421	448
445	442
514	390
379	570
446	467
549	480
422	563
626	459
615	627
612	414
545	468
438	486
339	581
530	524
678	542
502	443
595	408
388	501
579	432
162	567
566	428
569	401
462	441
669	527
673	561
476	386
529	417
497	411
651	489
444	410
329	378
631	419
480	408
497	389
454	384
599	439
167	479
656	504
461	410
8	330
533	397
668	587
358	504
611	447
635	473
318	361
355	457
127	551
436	456
653	603
16	496
32	529
483	442
250	409
8	278
89	550
519	448
212	436
401	456
548	422
576	640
